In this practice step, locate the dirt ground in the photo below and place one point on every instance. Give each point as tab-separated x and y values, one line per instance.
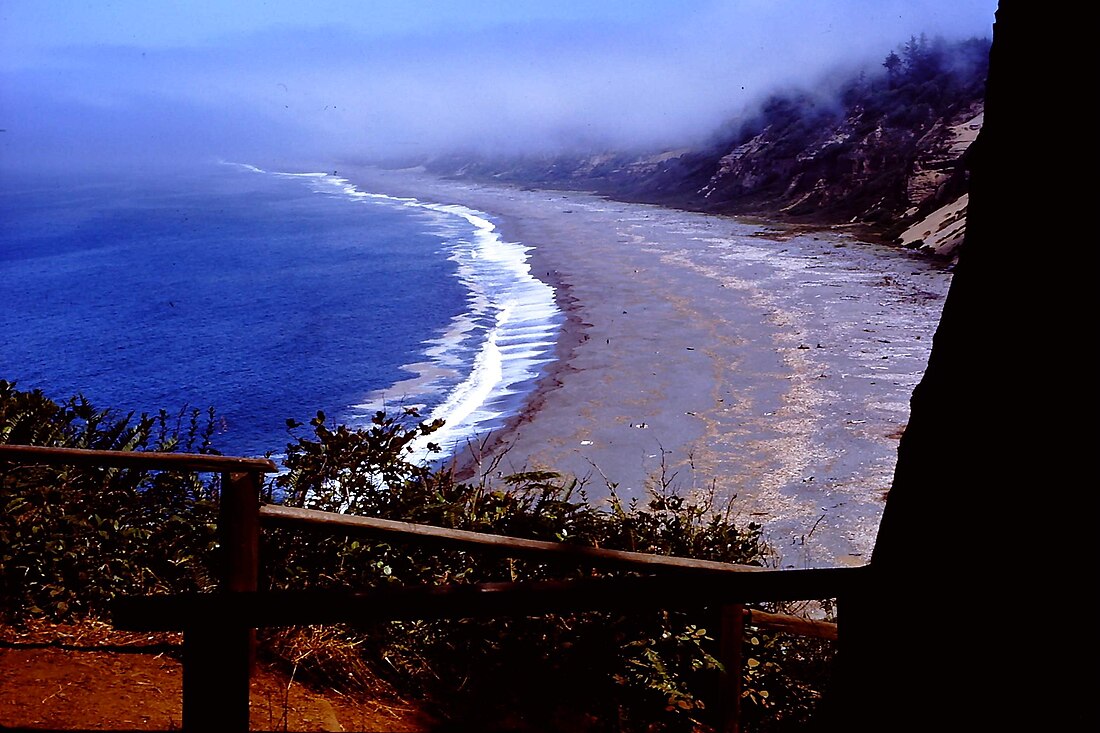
89	677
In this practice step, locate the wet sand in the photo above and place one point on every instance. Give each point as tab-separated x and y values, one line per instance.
769	366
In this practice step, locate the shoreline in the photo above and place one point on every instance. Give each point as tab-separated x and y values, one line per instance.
742	359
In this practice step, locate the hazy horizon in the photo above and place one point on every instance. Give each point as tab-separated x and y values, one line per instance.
292	85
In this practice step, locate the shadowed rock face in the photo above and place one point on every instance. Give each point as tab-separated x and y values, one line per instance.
888	152
984	461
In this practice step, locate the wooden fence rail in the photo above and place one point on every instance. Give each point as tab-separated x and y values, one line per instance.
280	516
529	598
144	460
219	628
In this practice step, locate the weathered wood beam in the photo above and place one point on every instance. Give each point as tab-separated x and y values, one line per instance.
305	608
272	515
792	624
145	460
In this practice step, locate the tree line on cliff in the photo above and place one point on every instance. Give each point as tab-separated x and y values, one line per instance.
883	147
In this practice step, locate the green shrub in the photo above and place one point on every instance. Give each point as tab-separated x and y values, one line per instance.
74	538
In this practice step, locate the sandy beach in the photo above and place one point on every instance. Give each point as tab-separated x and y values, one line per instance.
770	366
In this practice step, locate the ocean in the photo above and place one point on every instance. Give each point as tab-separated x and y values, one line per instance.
267	296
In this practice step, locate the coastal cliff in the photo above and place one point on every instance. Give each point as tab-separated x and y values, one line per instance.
885	149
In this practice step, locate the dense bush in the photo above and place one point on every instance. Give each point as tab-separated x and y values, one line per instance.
71	538
75	538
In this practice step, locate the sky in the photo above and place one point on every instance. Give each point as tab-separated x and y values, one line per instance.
302	84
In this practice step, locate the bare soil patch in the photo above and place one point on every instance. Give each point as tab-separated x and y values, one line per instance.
91	677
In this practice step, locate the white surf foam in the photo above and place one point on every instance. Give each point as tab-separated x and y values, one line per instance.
511	326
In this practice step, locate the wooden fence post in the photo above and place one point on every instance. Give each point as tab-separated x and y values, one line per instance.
730	642
216	676
239	531
218	653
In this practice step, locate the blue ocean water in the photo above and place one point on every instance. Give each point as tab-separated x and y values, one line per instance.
267	296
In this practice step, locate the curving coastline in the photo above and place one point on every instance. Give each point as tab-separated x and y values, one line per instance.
477	372
770	367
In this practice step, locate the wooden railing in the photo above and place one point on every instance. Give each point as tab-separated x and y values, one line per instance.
219	628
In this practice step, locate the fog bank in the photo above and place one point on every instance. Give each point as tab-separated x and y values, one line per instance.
282	85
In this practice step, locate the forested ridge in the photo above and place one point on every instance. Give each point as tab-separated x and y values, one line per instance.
884	148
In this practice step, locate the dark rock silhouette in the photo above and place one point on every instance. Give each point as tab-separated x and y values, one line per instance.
986	535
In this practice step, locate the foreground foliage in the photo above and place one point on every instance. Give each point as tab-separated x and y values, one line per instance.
74	538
